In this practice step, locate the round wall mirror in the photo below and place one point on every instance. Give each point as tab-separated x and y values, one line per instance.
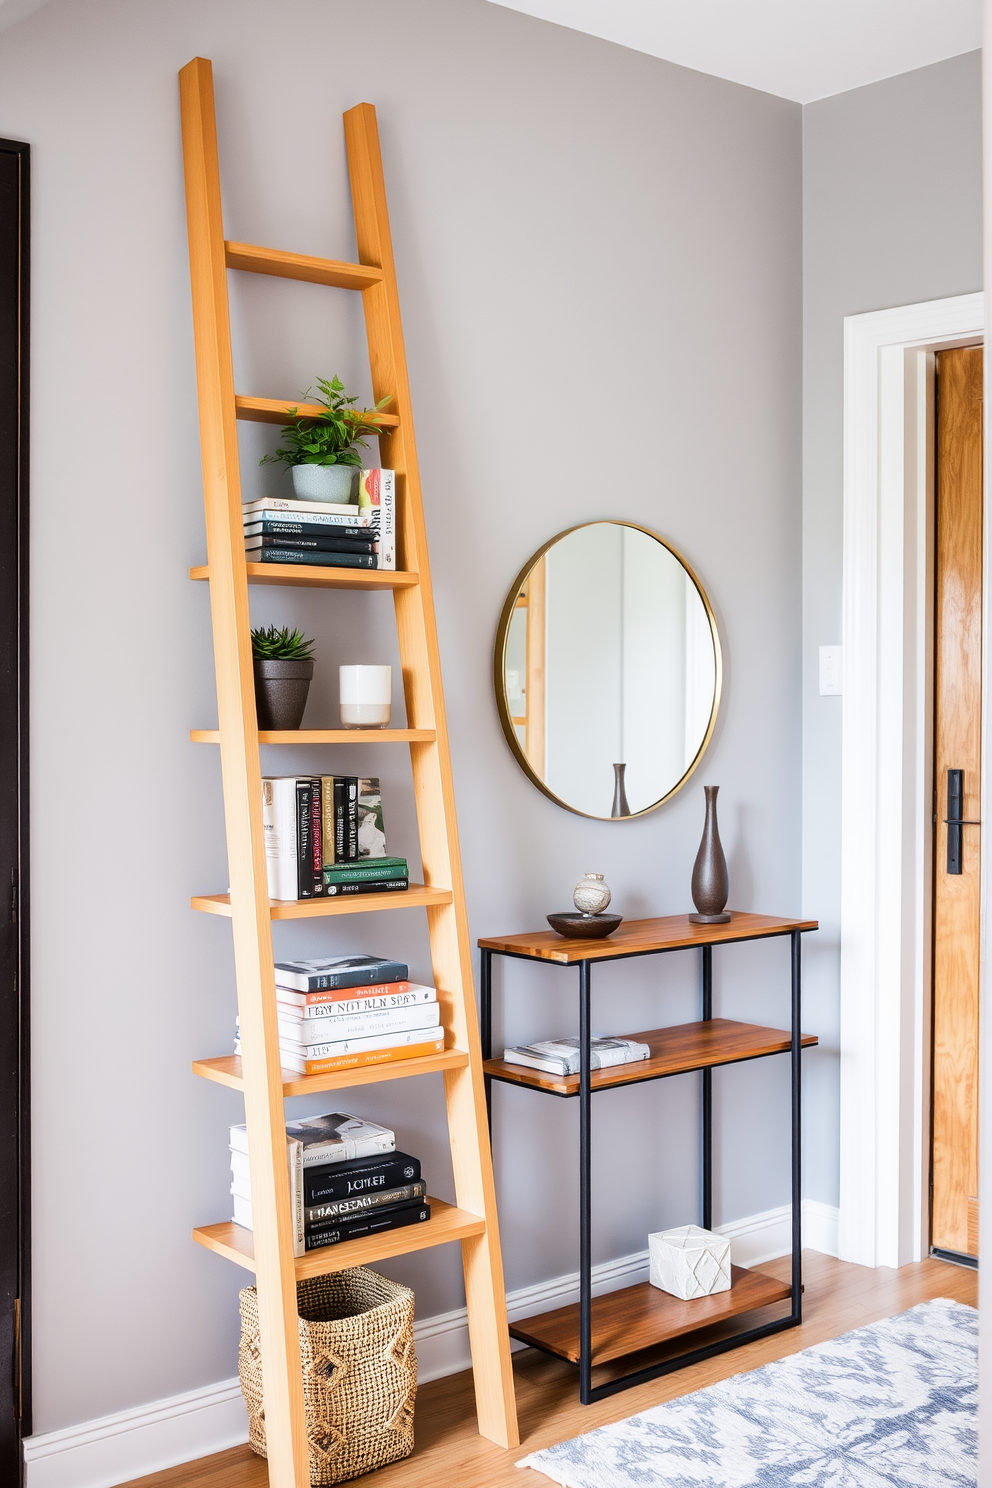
607	670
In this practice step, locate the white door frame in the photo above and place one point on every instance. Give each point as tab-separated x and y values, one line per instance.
886	752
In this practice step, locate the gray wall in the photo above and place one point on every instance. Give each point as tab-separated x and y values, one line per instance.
599	259
892	215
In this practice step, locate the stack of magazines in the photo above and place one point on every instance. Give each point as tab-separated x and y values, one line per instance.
561	1056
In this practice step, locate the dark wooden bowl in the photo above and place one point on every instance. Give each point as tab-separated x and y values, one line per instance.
584	927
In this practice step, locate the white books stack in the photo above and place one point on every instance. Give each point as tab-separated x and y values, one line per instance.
561	1056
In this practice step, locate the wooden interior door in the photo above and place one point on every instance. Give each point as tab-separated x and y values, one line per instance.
957	797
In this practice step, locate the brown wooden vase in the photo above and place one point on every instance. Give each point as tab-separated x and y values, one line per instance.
710	880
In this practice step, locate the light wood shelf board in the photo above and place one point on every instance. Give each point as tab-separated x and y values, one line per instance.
667	933
307	576
326	736
276	411
445	1224
643	1316
305	909
674	1051
227	1071
254	260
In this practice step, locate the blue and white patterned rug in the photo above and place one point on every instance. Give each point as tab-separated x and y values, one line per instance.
892	1405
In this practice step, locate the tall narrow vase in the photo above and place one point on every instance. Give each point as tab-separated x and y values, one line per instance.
710	880
620	807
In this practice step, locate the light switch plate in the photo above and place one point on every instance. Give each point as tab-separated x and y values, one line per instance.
831	670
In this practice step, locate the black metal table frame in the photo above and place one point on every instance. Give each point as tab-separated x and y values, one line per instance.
588	1393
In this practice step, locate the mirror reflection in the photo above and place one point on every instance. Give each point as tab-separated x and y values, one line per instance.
607	670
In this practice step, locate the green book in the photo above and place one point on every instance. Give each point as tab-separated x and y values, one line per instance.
365	871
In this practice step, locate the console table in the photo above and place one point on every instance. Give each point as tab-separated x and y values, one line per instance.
600	1330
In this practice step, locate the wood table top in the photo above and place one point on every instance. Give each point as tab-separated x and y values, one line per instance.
641	937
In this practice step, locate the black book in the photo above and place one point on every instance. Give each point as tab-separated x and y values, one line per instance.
304	841
359	1175
340	818
255	544
346	849
366	886
370	1224
307	555
276	527
337	1211
316	837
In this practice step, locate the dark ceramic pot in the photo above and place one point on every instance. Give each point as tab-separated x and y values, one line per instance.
281	687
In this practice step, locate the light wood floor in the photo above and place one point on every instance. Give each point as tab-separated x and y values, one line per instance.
838	1297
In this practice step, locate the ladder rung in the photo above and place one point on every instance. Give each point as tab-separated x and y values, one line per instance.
276	411
256	260
326	736
446	1223
227	1071
305	909
305	576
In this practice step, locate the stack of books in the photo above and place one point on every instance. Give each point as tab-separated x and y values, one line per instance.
324	836
345	1012
346	1180
327	534
561	1056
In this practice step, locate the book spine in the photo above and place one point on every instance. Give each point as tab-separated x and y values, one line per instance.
333	1181
321	512
319	1001
368	886
316	837
270	525
304	843
359	1025
363	870
363	1058
377	492
351	820
342	1209
326	821
320	1012
321	981
294	1156
318	559
340	818
279	827
259	542
416	1213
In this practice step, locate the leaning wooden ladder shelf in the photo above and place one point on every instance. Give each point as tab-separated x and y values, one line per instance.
268	1251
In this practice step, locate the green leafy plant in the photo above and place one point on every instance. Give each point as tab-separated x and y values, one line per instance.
327	438
282	645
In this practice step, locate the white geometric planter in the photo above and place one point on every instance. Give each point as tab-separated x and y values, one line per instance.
689	1262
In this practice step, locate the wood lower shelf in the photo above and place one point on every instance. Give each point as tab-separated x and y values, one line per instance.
674	1051
305	909
326	736
445	1224
643	1316
227	1071
312	576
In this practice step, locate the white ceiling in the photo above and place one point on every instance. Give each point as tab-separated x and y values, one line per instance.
799	49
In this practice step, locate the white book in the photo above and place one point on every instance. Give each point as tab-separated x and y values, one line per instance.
337	1048
297	1005
294	1059
242	1214
377	494
561	1056
279	825
310	509
307	1031
331	521
242	1182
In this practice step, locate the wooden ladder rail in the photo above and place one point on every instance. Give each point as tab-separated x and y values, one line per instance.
262	1080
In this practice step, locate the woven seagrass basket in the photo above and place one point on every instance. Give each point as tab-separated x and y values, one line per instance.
359	1372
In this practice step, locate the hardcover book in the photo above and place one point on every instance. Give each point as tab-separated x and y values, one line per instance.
336	1209
254	542
333	972
370	831
310	511
319	1006
297	1064
314	1031
336	1137
365	886
323	529
377	493
362	1176
561	1056
318	558
279	823
366	871
343	994
333	1048
369	1224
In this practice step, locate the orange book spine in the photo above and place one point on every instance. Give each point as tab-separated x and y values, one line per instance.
374	1056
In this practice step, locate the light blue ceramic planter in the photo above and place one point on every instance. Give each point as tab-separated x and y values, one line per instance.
324	482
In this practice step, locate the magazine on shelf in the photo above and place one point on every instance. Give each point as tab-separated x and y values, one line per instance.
561	1056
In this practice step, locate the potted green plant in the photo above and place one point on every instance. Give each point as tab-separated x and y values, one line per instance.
283	663
322	448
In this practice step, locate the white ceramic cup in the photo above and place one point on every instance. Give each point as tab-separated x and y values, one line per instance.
366	695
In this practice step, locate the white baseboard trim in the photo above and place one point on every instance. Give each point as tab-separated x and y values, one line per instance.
149	1438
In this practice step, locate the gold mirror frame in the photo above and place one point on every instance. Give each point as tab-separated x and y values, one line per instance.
499	669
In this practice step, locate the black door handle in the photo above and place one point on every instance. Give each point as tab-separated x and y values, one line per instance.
954	820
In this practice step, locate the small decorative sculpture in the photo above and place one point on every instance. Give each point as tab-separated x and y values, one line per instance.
710	880
591	894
